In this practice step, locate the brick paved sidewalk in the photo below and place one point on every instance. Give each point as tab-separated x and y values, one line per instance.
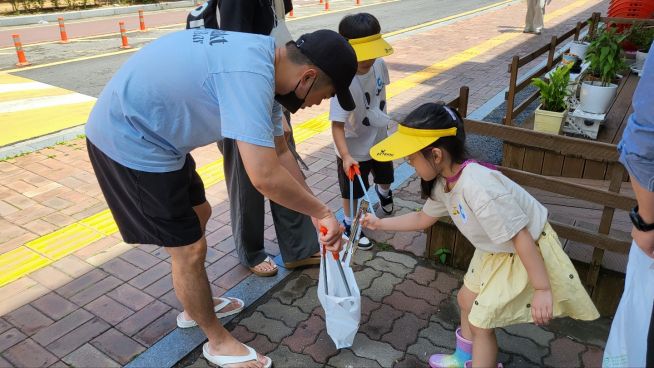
409	311
108	302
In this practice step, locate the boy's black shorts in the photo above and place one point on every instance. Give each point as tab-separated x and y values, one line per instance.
382	173
151	208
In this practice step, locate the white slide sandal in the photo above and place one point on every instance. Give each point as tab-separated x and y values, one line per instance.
188	323
223	360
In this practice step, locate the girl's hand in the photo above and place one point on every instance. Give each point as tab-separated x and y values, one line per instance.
370	221
541	307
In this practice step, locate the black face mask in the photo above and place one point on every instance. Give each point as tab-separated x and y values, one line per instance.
291	101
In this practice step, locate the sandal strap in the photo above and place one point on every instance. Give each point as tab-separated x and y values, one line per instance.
222	360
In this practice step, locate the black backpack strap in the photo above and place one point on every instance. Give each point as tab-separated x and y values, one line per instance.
204	16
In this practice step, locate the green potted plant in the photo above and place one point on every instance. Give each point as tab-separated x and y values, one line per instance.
579	47
605	59
642	37
553	106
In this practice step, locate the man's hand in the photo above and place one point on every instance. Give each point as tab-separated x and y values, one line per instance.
644	240
331	238
348	162
541	307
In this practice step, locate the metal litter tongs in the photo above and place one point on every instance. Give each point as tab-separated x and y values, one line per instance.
364	206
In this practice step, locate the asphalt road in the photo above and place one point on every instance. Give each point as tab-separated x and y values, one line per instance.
90	76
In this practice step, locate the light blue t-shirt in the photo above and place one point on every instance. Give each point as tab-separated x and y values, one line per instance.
186	90
637	144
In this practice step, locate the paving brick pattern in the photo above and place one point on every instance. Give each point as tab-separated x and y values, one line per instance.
402	331
105	303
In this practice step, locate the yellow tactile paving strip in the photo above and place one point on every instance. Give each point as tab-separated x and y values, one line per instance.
46	249
32	109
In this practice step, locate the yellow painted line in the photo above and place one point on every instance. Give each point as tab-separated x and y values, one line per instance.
65	241
75	236
70	61
19	262
451	17
21	125
43	92
102	222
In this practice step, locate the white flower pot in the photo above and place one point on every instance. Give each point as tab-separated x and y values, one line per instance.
640	59
548	121
595	98
579	48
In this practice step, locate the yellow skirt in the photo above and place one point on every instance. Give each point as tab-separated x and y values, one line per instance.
505	293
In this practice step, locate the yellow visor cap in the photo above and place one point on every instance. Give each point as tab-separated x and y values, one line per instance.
371	47
407	141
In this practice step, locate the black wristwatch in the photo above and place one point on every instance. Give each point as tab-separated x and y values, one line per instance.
638	221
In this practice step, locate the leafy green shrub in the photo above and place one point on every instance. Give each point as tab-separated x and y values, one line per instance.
554	91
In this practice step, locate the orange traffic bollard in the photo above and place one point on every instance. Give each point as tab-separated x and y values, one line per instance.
141	21
326	4
123	36
321	1
22	60
290	14
62	31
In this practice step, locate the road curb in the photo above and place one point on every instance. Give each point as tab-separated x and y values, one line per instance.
92	13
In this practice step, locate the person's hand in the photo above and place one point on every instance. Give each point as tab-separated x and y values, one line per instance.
644	240
541	307
330	233
348	162
370	221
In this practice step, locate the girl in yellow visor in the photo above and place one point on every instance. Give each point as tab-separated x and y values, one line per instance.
519	272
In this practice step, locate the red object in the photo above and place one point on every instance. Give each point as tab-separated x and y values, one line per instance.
62	31
123	36
22	60
290	14
358	2
326	4
643	9
141	21
354	170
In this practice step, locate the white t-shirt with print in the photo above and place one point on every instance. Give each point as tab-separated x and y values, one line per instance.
359	137
488	208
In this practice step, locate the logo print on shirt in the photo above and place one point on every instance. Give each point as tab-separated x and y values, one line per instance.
463	215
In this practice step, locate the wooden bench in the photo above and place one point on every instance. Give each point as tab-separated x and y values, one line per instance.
535	160
605	286
531	159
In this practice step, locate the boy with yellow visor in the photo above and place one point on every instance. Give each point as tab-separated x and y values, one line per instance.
355	132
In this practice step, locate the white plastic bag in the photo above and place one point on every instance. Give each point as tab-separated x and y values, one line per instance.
627	343
342	312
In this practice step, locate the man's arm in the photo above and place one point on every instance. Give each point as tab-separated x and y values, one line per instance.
275	182
289	162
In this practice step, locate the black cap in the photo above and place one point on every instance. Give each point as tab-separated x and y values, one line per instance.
334	55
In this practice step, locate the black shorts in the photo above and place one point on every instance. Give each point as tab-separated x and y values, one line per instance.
382	173
151	208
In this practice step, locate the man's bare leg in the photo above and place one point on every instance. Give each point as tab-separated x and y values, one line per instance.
192	289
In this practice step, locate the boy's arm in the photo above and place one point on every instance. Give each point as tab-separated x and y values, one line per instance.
338	132
409	222
378	118
541	306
